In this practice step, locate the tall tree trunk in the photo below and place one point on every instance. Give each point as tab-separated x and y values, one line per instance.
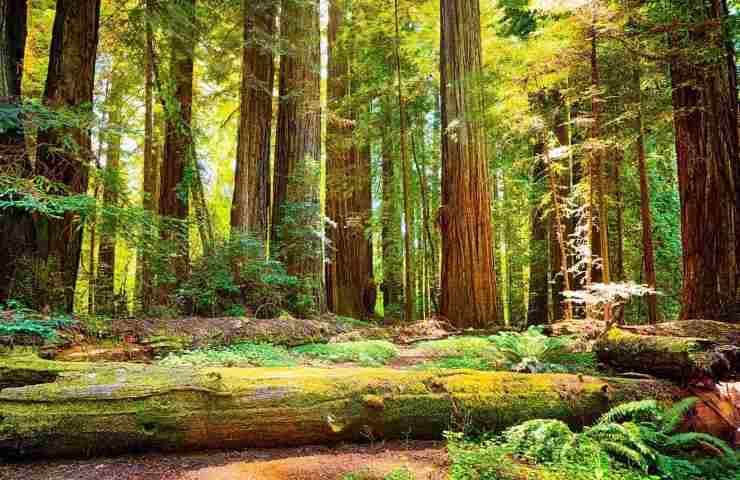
538	261
408	231
105	281
203	217
559	184
69	84
617	267
16	225
178	146
648	254
349	274
597	201
468	276
251	202
151	164
296	219
391	223
706	127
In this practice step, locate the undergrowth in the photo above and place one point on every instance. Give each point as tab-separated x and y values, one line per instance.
239	354
637	440
397	474
366	353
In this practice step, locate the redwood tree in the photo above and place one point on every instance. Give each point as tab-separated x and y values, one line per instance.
349	272
16	226
295	213
69	85
468	278
706	129
538	240
250	205
178	141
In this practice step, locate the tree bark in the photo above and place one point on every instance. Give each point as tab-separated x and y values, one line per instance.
468	276
69	84
349	273
251	202
559	183
174	203
392	247
16	225
89	410
648	254
296	221
706	128
538	255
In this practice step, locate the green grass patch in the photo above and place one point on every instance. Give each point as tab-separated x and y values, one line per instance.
397	474
471	363
366	353
239	354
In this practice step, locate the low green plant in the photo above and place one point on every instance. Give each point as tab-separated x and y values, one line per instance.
22	321
631	441
366	352
531	350
239	354
470	363
402	473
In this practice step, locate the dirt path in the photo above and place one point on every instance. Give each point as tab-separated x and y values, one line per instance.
427	461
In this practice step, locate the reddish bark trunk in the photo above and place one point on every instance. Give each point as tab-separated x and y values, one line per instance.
468	276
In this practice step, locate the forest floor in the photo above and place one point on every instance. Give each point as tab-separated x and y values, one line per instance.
426	460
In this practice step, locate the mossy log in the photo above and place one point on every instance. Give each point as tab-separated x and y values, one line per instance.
709	355
112	408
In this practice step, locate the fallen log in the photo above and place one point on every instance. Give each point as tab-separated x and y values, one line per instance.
709	355
96	409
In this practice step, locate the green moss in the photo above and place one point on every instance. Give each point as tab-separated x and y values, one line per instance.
366	353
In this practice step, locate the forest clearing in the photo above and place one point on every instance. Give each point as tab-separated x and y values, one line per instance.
369	240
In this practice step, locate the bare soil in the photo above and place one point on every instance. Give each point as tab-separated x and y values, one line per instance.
426	460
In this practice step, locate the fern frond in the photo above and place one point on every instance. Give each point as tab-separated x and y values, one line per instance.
631	410
672	418
626	453
690	439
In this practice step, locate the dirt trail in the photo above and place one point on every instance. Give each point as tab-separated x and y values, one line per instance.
426	460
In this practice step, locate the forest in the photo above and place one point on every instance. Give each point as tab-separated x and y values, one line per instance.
369	239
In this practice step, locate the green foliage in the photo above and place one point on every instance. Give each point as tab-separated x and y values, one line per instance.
236	277
240	354
367	353
402	473
20	321
636	440
531	350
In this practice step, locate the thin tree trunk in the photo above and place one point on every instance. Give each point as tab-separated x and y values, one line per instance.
106	270
560	235
16	225
296	223
406	169
205	225
69	84
349	274
647	222
706	127
616	191
538	261
392	247
178	147
468	276
251	202
598	208
559	185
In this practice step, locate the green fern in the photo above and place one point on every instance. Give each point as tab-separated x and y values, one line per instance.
626	453
632	410
674	416
683	441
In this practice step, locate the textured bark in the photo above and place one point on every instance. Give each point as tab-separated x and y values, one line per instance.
69	84
559	183
706	127
105	281
251	202
115	409
349	273
178	143
615	188
296	215
538	255
468	276
648	254
677	357
16	226
392	247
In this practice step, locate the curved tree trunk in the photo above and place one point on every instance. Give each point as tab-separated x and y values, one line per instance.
468	276
69	84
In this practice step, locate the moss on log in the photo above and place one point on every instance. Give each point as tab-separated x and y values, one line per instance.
123	408
676	357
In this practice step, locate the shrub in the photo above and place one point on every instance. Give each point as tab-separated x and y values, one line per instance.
240	354
367	353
